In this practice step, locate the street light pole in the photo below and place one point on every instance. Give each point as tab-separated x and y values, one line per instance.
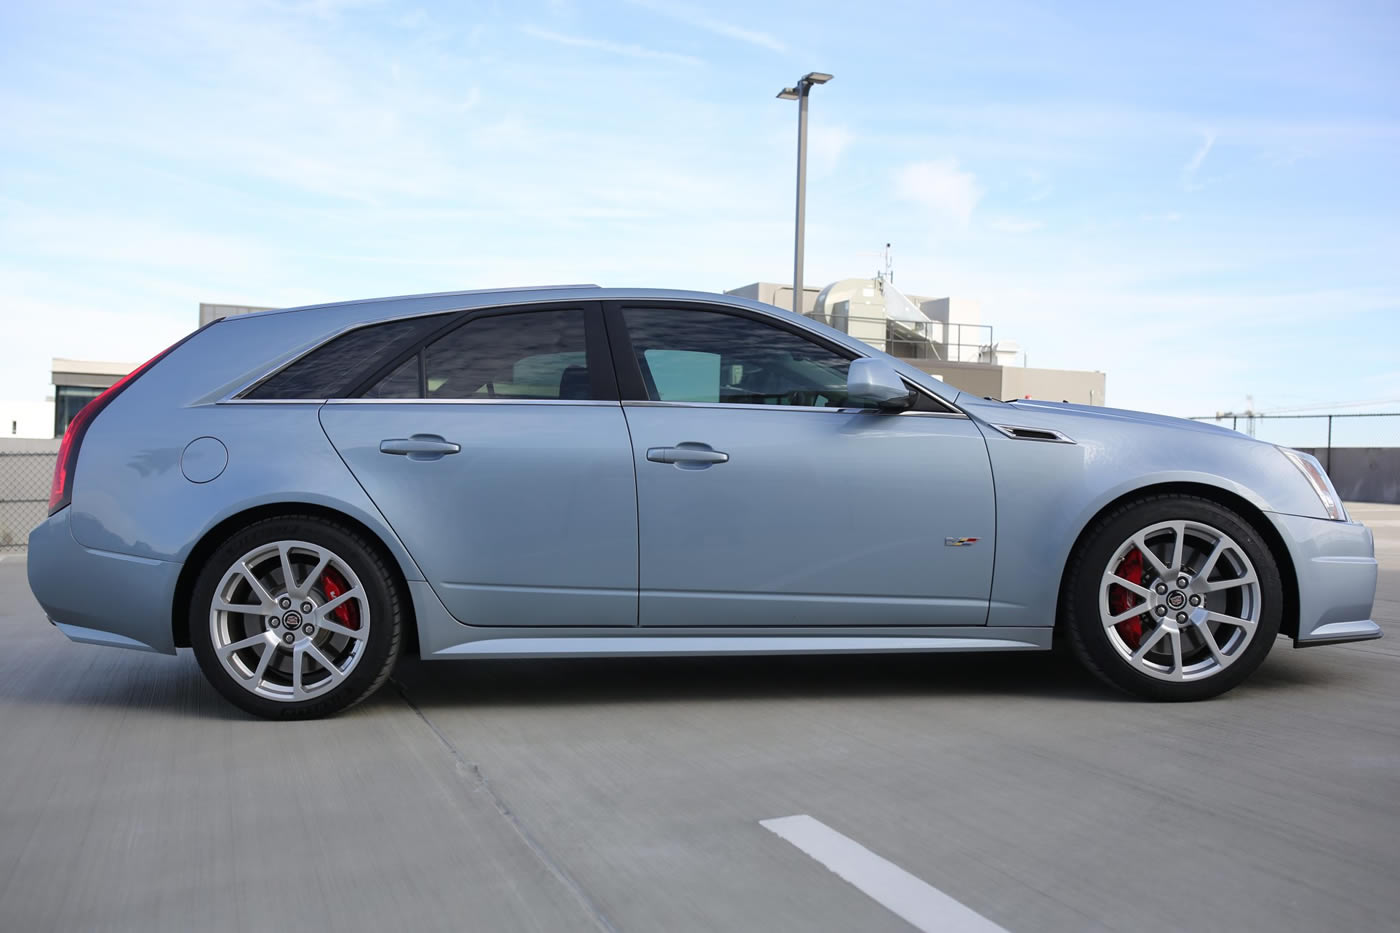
799	94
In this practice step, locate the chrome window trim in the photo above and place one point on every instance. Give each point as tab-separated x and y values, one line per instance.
576	402
271	401
1008	429
732	406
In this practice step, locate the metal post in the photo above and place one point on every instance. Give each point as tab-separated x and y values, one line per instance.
1329	443
803	90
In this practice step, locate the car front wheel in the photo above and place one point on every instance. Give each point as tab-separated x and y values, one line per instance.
1172	598
294	618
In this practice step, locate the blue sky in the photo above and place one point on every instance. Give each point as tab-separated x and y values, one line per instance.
1199	199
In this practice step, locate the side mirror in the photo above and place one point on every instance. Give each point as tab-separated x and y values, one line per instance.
875	384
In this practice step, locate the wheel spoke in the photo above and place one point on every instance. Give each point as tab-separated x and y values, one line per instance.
1245	580
1209	637
1148	644
259	590
1111	621
1209	565
310	579
338	629
328	607
223	605
1141	543
1179	548
1246	624
227	650
1178	672
284	555
263	662
298	659
334	672
1135	588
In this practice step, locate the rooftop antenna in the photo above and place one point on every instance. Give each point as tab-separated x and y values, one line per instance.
886	275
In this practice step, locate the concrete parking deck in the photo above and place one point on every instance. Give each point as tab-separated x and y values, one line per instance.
628	795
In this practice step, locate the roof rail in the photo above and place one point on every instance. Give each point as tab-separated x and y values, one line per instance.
365	301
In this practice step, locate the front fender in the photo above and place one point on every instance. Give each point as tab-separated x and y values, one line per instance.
1048	492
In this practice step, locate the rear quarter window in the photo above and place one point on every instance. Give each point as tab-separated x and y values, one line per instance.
337	366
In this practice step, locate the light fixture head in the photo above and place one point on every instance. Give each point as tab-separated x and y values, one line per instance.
816	77
788	93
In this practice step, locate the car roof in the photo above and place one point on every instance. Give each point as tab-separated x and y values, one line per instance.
427	303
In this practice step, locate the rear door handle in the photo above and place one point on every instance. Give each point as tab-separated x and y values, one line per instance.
687	453
419	447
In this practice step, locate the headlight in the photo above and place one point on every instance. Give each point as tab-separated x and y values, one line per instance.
1317	479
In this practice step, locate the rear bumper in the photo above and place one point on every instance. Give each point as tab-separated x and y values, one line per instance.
100	597
1336	567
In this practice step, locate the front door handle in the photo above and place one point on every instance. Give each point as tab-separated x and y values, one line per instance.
419	447
687	453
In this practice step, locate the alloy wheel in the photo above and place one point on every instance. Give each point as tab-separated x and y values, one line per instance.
289	621
1180	601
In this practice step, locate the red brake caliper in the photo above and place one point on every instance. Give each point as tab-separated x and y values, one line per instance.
347	613
1120	600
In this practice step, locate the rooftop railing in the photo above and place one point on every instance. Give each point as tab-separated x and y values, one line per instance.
917	340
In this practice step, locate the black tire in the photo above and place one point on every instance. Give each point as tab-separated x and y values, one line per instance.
1087	633
385	602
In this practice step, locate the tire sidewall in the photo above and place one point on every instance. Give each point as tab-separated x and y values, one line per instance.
1090	638
383	640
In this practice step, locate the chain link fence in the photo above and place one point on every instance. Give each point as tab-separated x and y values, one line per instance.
26	471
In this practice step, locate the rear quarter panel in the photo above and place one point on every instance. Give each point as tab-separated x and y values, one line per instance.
130	495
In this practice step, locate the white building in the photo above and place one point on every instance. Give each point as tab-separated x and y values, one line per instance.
942	336
26	418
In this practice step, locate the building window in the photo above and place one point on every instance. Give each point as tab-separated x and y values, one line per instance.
67	402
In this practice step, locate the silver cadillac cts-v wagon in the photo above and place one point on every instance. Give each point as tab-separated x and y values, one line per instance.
302	495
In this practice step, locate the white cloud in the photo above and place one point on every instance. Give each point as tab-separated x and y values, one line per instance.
628	50
942	186
702	20
1169	217
1193	165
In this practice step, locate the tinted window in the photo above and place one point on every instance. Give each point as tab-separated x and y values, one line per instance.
700	356
528	355
404	382
333	369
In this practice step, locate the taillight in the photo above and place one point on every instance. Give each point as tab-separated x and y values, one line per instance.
61	491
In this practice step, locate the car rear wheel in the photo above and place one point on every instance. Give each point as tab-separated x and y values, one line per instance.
295	618
1172	598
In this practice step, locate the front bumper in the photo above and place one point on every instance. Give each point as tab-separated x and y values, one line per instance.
101	597
1336	568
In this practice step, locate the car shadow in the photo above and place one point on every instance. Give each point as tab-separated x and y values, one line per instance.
545	682
176	687
1045	676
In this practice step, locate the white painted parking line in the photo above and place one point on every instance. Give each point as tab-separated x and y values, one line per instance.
918	902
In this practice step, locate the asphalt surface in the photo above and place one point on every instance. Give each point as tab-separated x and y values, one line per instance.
627	795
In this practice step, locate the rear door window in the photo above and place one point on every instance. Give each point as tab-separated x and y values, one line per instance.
538	355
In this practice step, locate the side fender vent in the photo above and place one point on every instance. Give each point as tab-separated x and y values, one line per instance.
1021	433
